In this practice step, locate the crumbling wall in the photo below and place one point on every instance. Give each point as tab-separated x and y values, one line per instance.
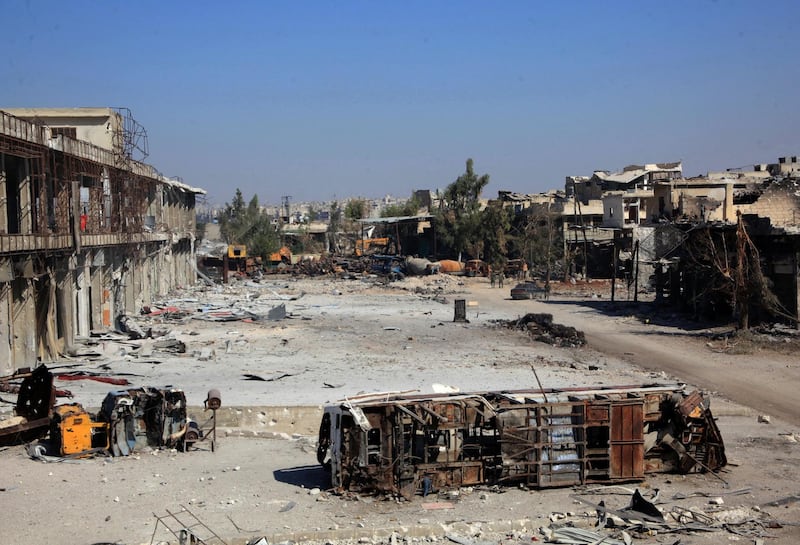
645	261
780	202
83	239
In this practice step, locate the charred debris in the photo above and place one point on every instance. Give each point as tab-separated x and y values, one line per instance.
33	408
417	444
540	327
129	419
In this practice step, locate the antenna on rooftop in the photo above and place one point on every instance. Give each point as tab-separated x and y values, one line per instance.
130	137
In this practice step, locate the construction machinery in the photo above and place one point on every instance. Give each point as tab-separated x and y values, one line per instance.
366	246
74	433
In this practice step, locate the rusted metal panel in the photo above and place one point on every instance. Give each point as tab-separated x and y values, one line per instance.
652	407
472	474
627	442
597	413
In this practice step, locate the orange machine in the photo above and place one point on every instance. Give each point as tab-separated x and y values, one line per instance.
283	255
370	245
73	432
236	251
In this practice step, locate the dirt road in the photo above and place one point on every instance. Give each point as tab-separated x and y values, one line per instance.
767	382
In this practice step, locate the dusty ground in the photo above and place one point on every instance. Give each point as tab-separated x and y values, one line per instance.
357	336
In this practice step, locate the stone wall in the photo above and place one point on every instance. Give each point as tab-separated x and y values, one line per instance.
779	202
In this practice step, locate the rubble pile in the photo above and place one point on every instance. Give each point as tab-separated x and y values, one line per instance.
643	518
329	265
540	327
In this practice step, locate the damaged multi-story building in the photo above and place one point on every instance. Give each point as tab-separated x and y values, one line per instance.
577	212
634	225
88	232
654	223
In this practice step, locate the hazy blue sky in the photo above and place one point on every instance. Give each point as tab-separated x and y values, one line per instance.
323	99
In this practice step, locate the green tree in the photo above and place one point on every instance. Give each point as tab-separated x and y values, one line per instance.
230	221
458	218
248	225
356	209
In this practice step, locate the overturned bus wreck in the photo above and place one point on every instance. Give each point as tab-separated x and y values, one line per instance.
406	444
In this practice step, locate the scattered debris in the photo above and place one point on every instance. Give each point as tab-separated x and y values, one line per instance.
130	326
35	399
578	536
643	508
186	527
784	501
83	375
645	518
170	345
248	376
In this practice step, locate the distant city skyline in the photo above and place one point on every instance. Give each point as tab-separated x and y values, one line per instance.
320	100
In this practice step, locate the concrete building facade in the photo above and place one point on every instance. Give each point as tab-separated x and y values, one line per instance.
87	233
100	126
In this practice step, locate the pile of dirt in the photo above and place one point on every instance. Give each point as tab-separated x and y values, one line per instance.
540	327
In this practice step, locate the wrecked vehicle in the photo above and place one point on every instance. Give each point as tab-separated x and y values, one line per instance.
407	444
387	265
476	267
141	417
527	290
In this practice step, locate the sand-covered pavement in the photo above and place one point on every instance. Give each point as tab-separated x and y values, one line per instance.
343	337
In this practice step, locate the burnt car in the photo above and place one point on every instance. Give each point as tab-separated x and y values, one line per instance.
516	268
527	290
476	267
